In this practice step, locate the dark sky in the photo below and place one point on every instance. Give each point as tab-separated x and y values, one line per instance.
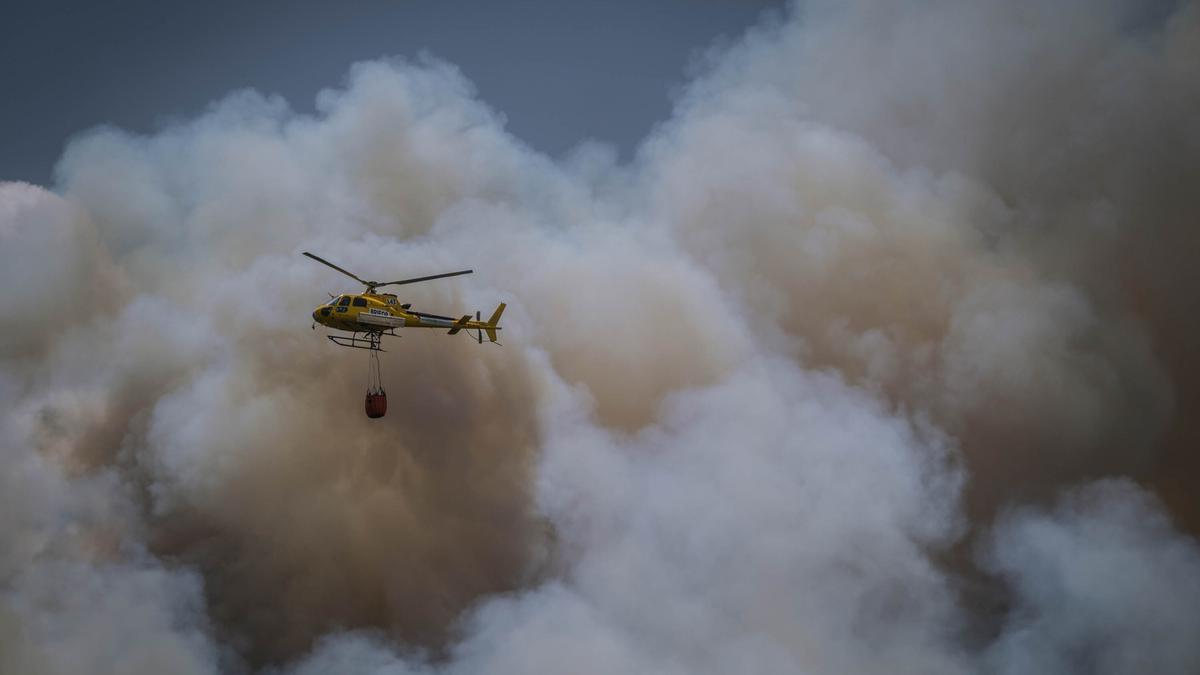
560	71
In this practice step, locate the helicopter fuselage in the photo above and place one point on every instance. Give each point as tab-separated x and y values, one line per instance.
372	312
378	312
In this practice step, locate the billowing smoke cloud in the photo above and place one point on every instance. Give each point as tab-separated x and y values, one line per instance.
876	359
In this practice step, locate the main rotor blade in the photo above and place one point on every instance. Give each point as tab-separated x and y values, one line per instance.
433	276
322	260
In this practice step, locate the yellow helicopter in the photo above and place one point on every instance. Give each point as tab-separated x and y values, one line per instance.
374	315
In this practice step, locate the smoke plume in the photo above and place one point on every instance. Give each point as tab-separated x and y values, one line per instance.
878	357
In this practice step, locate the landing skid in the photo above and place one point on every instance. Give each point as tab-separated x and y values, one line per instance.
371	340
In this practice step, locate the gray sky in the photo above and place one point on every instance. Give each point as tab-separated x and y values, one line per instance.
560	71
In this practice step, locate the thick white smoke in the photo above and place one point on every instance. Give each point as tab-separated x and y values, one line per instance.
873	360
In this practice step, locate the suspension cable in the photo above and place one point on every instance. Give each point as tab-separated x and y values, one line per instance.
374	374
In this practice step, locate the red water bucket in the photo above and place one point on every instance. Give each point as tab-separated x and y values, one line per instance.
376	404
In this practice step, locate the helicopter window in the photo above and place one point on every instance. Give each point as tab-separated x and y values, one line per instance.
360	302
345	300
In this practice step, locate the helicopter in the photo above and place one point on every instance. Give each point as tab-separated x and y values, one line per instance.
374	315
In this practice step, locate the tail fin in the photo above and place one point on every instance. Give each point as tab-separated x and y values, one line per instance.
493	323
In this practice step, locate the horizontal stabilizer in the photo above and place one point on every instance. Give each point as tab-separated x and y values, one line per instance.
460	324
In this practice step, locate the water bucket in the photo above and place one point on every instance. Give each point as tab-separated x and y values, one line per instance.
376	404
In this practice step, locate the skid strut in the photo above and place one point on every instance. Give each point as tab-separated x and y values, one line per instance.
372	340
